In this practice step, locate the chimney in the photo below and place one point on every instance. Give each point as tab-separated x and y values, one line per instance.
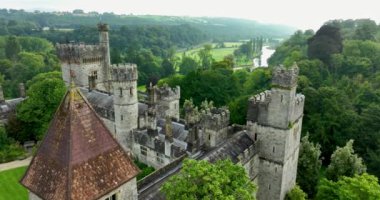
2	100
21	89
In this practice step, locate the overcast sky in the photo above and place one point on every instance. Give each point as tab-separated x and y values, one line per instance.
303	14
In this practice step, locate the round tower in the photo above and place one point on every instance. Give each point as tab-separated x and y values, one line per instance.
104	43
124	84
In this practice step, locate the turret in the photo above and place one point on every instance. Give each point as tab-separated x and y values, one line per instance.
124	84
168	101
274	120
104	43
215	125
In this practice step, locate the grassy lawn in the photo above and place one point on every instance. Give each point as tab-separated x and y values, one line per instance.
10	188
217	53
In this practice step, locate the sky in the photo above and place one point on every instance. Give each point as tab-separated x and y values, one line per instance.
302	14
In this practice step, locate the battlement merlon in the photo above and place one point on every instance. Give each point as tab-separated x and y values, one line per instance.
79	53
124	72
298	107
216	118
285	77
103	27
167	93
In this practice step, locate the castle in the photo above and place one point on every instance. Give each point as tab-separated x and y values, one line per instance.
79	157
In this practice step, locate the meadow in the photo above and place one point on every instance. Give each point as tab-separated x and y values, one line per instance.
10	188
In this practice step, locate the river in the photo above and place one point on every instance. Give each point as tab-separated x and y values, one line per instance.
266	53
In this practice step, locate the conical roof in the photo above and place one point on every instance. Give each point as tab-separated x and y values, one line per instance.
78	158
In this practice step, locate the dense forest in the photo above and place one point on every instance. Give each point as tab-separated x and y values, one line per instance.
214	28
339	75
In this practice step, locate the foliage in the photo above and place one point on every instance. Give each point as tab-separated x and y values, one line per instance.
12	48
309	165
344	162
9	148
205	57
296	193
10	188
187	65
145	169
296	43
326	41
358	187
44	94
203	180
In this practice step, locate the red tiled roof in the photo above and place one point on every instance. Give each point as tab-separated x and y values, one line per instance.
78	158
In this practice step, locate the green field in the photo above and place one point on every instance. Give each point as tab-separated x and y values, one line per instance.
217	53
10	188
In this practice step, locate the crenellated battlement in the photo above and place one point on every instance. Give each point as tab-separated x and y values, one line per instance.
167	93
79	53
285	77
215	118
261	98
124	72
103	27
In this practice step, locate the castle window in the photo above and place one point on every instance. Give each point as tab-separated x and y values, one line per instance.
255	136
95	74
112	197
121	117
274	149
275	169
131	91
282	98
209	137
121	91
143	150
269	187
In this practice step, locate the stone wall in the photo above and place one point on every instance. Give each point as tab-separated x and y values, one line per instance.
152	157
127	191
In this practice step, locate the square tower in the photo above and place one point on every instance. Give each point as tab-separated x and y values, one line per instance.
274	120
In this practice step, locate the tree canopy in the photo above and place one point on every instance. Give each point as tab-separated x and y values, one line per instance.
203	180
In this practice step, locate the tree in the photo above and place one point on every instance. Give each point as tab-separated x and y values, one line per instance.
12	48
205	56
324	43
167	68
344	162
187	65
358	187
44	94
203	180
295	194
309	165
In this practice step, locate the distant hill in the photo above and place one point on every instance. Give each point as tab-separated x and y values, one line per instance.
214	28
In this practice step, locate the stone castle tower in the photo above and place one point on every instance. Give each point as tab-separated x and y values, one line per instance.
87	65
274	120
124	84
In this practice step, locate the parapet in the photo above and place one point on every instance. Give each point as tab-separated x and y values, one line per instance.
285	77
103	27
254	102
215	118
167	93
79	53
124	72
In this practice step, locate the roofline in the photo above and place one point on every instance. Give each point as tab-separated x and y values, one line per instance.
45	136
69	178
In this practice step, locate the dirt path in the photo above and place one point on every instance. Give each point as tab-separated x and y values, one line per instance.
14	164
